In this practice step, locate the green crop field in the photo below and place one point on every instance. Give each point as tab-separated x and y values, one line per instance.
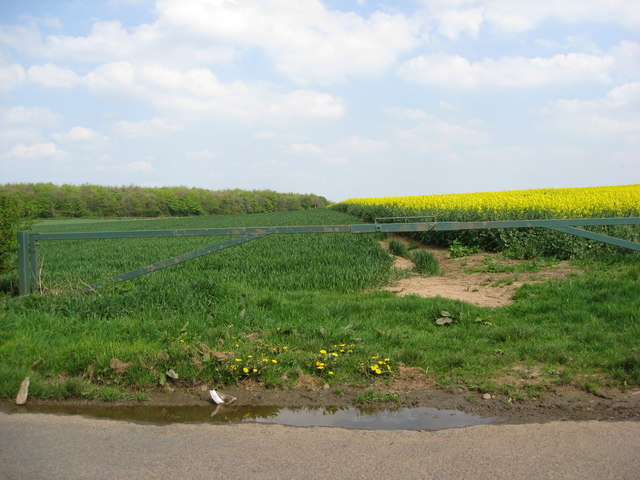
289	305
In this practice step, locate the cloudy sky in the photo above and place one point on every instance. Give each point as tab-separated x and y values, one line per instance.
343	98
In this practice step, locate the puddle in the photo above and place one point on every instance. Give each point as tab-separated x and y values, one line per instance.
419	418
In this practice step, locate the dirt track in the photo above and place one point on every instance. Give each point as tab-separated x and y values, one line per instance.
36	446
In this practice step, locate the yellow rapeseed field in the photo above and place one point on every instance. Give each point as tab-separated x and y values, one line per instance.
540	203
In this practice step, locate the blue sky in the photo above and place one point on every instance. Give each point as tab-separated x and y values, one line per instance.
341	98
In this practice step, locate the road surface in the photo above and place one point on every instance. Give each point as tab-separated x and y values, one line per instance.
51	447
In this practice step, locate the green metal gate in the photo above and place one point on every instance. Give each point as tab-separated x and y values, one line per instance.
28	271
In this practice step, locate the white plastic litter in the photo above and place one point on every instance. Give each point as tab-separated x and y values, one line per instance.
221	398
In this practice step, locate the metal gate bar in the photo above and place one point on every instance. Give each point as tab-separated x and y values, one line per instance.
28	274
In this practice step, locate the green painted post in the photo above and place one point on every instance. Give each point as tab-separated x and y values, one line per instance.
24	276
33	257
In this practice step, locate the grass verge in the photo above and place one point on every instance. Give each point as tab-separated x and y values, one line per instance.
281	307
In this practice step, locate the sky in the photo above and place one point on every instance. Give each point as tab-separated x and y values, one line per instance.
341	98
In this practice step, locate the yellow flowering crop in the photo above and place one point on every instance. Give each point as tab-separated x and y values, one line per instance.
540	203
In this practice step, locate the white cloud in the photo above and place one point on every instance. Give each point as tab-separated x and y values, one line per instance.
193	91
614	116
264	134
201	155
112	77
365	145
411	114
454	22
11	76
36	151
306	41
50	75
21	124
337	161
452	17
305	149
458	72
32	116
140	166
110	41
153	127
199	91
426	133
82	136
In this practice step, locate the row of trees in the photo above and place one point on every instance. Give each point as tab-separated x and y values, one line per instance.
46	200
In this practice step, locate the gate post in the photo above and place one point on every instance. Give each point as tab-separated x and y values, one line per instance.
33	256
24	266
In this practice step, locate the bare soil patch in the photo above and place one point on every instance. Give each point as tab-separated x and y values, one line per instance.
484	289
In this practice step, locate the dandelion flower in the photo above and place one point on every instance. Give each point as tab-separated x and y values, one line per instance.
330	373
274	361
335	354
238	359
323	351
245	370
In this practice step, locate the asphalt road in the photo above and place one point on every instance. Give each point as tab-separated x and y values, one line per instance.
51	447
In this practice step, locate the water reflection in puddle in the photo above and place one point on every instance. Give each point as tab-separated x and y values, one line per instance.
419	418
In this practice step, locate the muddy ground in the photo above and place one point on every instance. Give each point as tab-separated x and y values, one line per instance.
557	403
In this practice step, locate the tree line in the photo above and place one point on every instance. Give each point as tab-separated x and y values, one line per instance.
46	200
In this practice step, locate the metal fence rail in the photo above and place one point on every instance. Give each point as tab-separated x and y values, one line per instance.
28	272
